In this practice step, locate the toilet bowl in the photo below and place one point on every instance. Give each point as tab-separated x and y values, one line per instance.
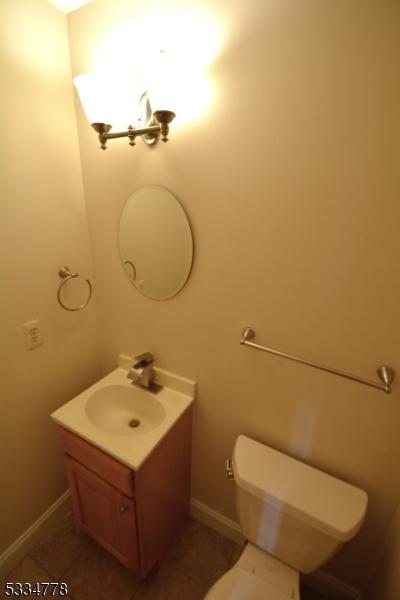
259	576
294	517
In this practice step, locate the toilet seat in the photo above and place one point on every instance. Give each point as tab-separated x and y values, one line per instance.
238	584
257	576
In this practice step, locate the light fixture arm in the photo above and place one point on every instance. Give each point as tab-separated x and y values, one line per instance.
158	125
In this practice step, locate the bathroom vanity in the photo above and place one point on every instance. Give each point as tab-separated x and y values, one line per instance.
130	488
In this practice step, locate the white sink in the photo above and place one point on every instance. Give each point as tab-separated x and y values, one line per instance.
124	420
124	410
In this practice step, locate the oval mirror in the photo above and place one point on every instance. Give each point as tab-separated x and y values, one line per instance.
155	242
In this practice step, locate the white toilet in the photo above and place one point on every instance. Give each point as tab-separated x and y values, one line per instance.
294	517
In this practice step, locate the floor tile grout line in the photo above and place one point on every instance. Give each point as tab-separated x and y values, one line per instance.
75	561
45	568
41	565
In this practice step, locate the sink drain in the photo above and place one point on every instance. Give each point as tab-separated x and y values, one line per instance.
134	423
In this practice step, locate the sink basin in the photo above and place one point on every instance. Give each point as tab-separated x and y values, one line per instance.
124	420
124	410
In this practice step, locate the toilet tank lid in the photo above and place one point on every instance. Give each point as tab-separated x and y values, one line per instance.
315	498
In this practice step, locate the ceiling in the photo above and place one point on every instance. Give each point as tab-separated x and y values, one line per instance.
67	6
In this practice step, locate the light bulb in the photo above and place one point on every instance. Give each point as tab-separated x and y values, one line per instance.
110	100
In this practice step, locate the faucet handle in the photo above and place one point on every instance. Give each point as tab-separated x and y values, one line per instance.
143	360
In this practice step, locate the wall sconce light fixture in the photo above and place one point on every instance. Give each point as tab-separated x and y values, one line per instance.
96	105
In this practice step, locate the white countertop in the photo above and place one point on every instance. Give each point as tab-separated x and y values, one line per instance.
176	396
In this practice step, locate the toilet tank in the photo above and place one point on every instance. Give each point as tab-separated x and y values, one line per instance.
293	511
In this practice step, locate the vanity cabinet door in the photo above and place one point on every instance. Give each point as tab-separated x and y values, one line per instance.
104	512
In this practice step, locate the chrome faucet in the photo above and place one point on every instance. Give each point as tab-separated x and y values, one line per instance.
141	371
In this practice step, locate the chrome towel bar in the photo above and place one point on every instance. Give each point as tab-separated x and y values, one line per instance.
386	374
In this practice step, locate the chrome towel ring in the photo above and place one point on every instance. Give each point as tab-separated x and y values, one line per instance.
66	275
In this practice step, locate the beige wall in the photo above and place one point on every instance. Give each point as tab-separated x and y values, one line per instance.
291	184
385	582
42	226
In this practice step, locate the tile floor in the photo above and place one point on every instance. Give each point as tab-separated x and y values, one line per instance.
198	558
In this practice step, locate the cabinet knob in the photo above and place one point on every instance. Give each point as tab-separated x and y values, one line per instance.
123	508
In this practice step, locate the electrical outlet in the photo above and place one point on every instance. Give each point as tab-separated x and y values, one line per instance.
33	339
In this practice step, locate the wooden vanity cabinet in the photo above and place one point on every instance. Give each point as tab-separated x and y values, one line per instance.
135	515
104	512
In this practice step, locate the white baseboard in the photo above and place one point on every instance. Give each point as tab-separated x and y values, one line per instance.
226	527
32	536
320	581
331	587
